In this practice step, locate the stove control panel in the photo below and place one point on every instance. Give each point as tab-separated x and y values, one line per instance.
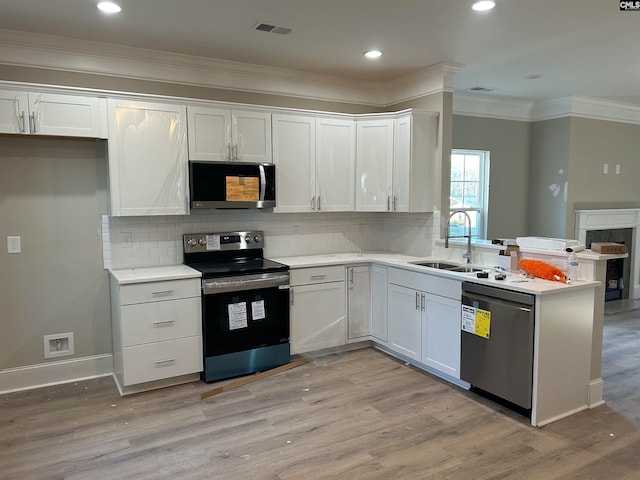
222	241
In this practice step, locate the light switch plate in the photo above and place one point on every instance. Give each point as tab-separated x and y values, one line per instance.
13	244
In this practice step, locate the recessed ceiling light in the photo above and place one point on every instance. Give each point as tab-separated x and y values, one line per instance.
373	53
109	7
483	5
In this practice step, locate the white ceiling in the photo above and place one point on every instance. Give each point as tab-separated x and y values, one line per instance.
580	47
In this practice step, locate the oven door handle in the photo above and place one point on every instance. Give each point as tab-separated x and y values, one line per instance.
235	284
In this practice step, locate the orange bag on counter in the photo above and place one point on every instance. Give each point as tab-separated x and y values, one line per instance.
540	269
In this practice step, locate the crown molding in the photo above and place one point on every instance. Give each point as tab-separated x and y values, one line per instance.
586	107
66	54
488	106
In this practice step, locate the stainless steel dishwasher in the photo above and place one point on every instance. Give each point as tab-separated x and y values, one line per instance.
497	342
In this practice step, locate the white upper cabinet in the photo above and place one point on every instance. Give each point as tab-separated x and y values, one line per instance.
294	154
415	185
148	161
33	113
218	135
335	164
315	163
374	165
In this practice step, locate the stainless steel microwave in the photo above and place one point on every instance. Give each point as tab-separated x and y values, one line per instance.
232	185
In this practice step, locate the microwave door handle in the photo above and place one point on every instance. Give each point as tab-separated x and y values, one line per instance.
263	182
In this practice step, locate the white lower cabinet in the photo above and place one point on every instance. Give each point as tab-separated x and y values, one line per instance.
441	334
358	303
379	324
157	333
424	319
318	308
406	316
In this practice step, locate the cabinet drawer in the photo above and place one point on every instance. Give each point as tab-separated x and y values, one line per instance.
307	276
156	291
158	321
155	361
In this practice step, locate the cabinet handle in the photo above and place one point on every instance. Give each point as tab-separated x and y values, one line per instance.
163	323
318	203
22	123
422	296
235	152
291	296
318	277
394	203
32	122
313	204
164	293
351	278
417	301
166	361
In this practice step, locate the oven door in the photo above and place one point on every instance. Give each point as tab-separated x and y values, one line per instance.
245	324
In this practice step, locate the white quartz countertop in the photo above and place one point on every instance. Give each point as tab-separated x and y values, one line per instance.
513	281
153	274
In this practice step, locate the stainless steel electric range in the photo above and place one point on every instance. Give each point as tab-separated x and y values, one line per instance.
245	303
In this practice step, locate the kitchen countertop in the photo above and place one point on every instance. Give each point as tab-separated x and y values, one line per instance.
536	286
153	274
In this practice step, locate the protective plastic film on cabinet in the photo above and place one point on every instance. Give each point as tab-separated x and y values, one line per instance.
148	159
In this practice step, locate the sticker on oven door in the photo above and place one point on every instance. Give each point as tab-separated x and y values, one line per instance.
213	242
237	315
257	310
476	321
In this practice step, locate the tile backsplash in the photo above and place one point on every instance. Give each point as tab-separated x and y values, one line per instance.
151	241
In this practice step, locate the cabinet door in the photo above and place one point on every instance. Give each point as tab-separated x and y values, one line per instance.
14	112
318	316
405	321
402	164
294	149
251	136
374	163
148	172
379	303
441	336
358	302
209	134
335	164
66	115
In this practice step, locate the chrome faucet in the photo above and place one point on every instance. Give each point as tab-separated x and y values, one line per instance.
467	236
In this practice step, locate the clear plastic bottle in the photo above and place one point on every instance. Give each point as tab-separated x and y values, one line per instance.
572	267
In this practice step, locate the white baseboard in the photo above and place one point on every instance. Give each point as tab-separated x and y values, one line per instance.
596	389
54	373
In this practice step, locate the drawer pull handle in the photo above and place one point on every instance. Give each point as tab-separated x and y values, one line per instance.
318	277
165	362
163	323
164	293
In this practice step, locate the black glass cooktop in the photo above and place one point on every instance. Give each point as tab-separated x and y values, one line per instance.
242	266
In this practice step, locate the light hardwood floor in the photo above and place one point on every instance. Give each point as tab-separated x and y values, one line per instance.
356	415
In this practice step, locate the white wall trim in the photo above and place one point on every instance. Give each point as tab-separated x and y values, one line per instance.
61	53
487	106
585	107
596	389
54	373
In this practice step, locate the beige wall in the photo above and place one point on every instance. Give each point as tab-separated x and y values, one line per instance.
548	175
509	143
52	194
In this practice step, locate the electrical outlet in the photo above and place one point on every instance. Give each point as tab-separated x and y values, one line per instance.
13	244
618	169
127	240
605	169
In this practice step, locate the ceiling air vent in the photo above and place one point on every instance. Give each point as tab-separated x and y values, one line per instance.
481	89
266	27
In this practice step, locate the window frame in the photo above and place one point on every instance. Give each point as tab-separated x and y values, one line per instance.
483	184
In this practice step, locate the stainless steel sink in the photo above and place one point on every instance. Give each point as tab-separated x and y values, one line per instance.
440	265
451	267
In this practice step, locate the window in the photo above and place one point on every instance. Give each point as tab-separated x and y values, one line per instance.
469	191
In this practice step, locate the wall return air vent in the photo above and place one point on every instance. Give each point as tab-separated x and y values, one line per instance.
267	27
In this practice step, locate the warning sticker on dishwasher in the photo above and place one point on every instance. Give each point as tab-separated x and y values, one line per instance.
476	321
237	315
257	310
